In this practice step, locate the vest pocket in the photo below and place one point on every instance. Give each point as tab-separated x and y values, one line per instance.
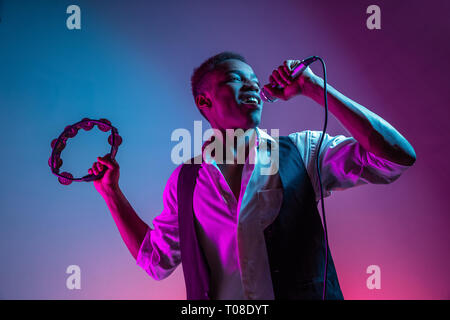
269	205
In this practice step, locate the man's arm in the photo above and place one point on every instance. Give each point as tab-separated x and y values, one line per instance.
156	250
371	131
131	227
374	133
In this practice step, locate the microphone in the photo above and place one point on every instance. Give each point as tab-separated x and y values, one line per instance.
297	71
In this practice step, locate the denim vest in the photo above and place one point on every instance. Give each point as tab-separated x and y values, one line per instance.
297	274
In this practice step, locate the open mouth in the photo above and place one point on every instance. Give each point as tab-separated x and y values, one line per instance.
250	99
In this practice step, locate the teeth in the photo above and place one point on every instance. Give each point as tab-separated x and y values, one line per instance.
251	99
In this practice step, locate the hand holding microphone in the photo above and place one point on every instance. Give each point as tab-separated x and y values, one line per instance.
288	80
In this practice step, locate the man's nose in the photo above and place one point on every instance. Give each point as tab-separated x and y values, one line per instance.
252	86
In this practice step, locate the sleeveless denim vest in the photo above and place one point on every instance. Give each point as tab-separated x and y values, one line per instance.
296	273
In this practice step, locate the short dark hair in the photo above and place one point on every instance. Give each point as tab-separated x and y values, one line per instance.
207	66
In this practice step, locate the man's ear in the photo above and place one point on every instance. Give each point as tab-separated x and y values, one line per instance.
203	102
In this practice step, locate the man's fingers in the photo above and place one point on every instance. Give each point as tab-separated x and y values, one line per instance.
94	169
99	166
272	81
278	79
291	64
106	160
275	92
288	72
285	75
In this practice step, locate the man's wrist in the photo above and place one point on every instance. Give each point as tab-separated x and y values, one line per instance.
110	192
312	86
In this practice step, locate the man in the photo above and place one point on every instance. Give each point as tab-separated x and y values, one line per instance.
241	234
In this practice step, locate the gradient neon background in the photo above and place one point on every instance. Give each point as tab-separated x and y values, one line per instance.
131	63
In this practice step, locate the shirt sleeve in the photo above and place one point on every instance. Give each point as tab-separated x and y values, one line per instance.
159	254
343	162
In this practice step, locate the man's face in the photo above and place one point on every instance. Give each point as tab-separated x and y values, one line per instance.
233	91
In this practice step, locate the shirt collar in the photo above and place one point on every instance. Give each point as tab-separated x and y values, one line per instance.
262	135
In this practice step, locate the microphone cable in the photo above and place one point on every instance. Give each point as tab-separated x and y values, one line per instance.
320	179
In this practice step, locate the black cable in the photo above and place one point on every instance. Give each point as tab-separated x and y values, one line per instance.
320	179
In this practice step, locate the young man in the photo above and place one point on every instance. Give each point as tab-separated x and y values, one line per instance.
241	234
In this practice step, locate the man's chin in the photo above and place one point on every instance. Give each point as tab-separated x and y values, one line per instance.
251	106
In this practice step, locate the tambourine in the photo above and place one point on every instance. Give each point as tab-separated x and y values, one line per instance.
58	145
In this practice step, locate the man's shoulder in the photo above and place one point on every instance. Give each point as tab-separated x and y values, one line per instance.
304	134
306	138
302	138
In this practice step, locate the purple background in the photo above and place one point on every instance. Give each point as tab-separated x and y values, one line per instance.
131	63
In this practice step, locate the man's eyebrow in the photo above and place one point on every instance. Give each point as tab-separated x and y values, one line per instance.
241	73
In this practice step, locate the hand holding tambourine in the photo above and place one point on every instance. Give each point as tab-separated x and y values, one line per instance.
109	182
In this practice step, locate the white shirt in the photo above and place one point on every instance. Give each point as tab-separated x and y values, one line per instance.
231	230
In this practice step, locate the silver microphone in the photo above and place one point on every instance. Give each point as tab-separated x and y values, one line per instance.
266	96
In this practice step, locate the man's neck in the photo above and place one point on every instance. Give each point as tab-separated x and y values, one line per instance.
236	144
